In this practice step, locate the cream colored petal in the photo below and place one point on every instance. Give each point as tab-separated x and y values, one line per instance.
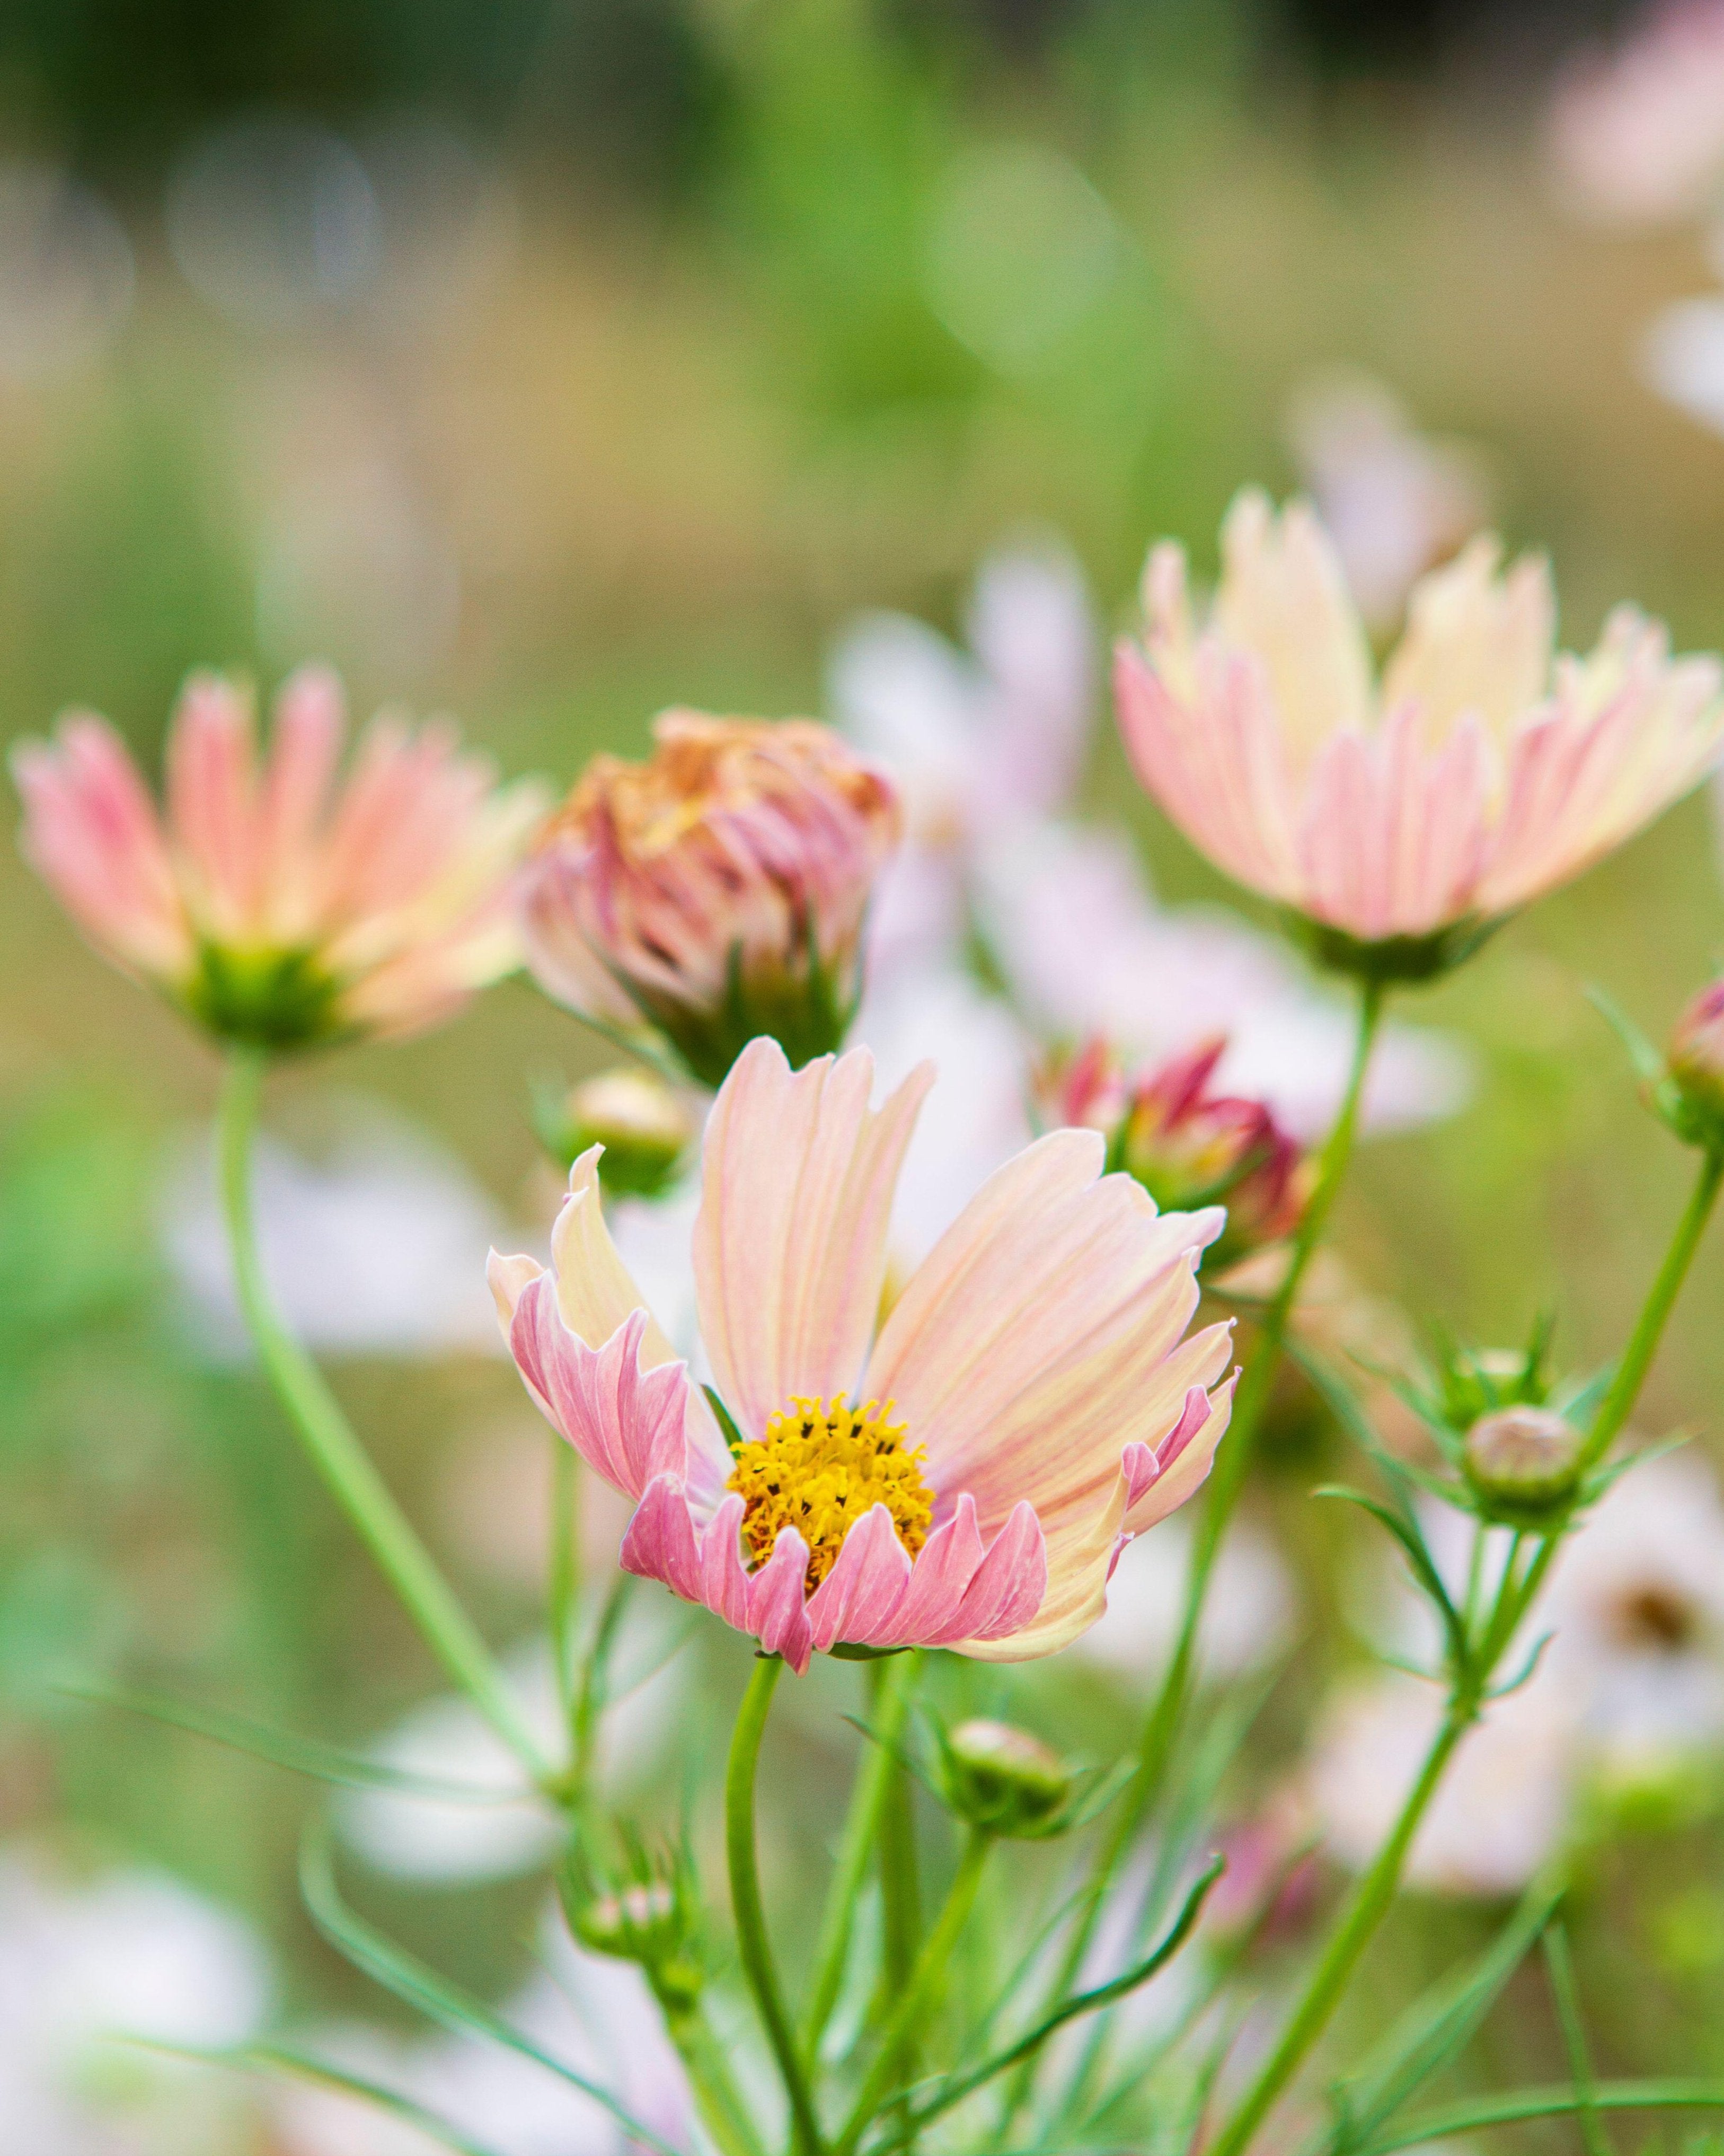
790	1244
1283	598
508	1279
1475	641
594	1292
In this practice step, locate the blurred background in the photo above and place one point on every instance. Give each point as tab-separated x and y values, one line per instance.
553	361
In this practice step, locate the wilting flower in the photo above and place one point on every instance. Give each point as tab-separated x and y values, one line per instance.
716	891
1401	819
1187	1146
275	906
968	1481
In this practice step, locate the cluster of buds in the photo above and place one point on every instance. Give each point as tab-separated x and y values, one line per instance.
642	1123
648	1916
716	892
1188	1146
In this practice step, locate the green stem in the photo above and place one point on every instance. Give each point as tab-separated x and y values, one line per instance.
752	1939
920	1996
1593	2133
563	1585
892	1680
1434	2126
1365	1912
336	1452
722	2108
899	1879
1618	1403
1232	1457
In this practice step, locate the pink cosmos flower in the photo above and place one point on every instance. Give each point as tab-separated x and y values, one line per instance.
1480	772
717	891
1635	133
274	904
968	1479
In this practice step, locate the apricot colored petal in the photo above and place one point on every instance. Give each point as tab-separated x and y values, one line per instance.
212	803
790	1243
1476	642
627	1420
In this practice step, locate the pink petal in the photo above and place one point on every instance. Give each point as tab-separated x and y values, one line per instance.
626	1421
857	1598
944	1565
310	724
790	1243
778	1614
1008	1589
212	803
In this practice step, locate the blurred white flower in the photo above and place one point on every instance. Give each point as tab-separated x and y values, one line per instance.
66	271
1248	1620
1682	358
378	1249
448	1841
1635	133
595	2014
1395	502
1498	1814
126	1952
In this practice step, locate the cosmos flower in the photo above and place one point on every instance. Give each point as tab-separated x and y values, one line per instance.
1635	133
1401	818
968	1479
714	892
275	906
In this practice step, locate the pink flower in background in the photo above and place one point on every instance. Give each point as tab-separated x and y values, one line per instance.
1481	772
716	891
968	1480
274	904
1636	135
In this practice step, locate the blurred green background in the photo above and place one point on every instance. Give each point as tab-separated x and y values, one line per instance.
681	331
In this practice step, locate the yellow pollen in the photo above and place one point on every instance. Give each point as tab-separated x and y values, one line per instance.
818	1468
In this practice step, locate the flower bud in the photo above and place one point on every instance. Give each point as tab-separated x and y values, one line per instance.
644	1126
1000	1779
1523	1463
647	1922
716	892
1695	1064
1473	1382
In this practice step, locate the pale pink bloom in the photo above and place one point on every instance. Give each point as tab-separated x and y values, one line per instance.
1035	1367
1636	135
716	892
275	904
1395	502
1480	773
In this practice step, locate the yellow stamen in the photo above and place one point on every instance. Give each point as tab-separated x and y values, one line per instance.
818	1468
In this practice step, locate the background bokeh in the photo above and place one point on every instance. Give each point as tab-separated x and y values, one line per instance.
554	361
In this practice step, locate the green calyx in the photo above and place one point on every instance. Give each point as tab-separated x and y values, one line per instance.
798	1003
647	1919
1391	959
1003	1780
279	1000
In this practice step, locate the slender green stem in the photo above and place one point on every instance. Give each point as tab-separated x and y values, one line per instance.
336	1452
1618	1403
1434	2126
892	1680
562	1584
899	1881
1594	2132
716	2095
920	1995
1232	1457
752	1939
1365	1912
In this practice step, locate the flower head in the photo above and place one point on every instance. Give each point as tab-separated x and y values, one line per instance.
1188	1146
273	905
1401	818
716	891
965	1478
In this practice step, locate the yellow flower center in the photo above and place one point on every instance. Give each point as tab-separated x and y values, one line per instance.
818	1468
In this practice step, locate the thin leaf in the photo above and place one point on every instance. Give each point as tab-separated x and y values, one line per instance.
1527	1670
1418	1556
299	1755
727	1421
1548	2103
440	2001
1648	1063
1567	1993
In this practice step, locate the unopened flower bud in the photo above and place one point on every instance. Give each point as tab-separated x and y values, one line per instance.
1000	1779
645	1128
646	1923
1523	1463
1697	1063
716	892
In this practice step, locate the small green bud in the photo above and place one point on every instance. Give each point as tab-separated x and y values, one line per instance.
647	1922
641	1122
1695	1068
1523	1463
1002	1779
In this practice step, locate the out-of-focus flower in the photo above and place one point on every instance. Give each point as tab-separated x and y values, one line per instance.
131	1953
1401	821
1187	1146
1249	1616
274	907
586	2009
1695	1061
1271	1884
508	1829
644	1125
716	892
1087	950
1682	357
1499	1813
1635	136
1020	1412
370	1249
1395	502
66	272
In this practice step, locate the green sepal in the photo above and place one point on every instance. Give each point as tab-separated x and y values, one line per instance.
1390	960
